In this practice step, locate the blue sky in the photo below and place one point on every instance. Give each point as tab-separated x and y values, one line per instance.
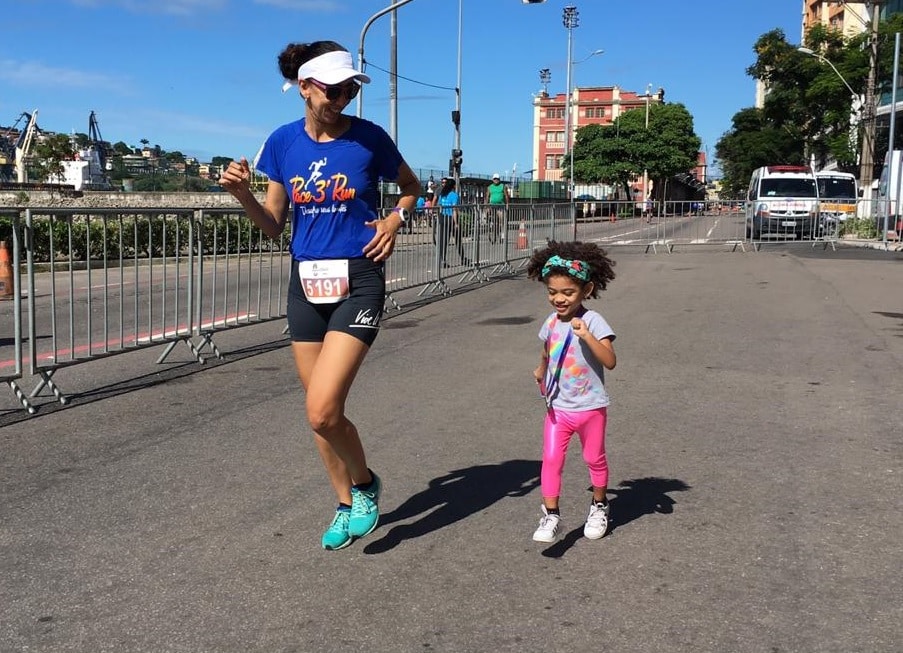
200	76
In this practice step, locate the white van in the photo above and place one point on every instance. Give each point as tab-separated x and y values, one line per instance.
839	196
782	202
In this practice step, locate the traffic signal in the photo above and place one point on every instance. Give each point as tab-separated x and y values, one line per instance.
457	158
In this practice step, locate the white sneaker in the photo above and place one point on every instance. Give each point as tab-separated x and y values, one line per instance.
597	521
548	527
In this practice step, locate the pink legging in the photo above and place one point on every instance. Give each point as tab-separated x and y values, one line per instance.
560	425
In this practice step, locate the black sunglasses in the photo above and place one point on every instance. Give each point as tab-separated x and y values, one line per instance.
337	91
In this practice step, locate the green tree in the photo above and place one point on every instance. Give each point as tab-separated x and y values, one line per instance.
49	155
618	153
808	108
806	99
122	149
81	140
753	141
118	171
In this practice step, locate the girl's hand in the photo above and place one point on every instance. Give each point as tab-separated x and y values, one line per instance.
578	326
382	244
539	374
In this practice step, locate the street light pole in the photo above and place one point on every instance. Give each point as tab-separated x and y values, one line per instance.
646	170
360	50
825	60
856	108
456	116
570	19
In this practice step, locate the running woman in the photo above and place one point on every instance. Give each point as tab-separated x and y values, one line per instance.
326	166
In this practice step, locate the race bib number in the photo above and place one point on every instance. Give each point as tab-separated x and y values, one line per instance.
324	282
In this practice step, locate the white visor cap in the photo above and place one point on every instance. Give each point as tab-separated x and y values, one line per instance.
332	68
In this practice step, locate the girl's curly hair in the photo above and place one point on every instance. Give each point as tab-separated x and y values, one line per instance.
600	266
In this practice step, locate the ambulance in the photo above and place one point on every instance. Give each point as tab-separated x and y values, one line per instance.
782	202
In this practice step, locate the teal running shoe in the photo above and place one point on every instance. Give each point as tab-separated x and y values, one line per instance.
337	535
365	508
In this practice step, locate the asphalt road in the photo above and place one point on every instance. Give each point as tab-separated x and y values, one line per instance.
755	451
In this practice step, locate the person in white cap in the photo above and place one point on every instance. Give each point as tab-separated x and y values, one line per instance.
497	199
326	168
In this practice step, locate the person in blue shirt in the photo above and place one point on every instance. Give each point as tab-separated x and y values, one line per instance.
448	222
324	171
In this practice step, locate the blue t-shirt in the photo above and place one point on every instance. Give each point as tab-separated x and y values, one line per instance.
447	201
333	187
581	383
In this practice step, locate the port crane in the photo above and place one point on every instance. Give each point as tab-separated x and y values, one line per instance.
24	143
97	140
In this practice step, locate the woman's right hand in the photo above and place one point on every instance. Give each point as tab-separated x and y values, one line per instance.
236	178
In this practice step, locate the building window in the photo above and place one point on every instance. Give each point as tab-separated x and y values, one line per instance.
553	161
556	113
554	137
595	112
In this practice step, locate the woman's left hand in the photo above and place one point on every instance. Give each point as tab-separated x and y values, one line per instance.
382	244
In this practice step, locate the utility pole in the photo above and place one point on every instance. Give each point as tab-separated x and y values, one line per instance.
867	154
570	19
393	77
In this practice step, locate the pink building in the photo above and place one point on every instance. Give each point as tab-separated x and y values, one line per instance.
593	105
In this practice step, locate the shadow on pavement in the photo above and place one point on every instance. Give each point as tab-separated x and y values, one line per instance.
632	499
456	496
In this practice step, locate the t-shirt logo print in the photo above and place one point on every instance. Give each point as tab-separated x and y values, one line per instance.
317	189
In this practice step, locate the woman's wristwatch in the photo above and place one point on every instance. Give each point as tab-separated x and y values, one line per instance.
401	212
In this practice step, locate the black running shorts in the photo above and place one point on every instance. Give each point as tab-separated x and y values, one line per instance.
358	315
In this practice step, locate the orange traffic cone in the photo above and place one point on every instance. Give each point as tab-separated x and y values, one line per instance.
6	272
522	236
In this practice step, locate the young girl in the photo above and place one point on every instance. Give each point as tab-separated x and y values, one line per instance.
577	348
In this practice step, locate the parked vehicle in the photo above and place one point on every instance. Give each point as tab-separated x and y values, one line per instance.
839	195
890	190
782	202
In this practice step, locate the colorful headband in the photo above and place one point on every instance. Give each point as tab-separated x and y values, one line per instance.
576	268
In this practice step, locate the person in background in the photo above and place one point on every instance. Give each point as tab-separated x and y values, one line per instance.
418	215
578	346
447	224
326	167
497	200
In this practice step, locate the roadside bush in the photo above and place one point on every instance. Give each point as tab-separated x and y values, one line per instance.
859	228
74	237
79	237
6	228
233	234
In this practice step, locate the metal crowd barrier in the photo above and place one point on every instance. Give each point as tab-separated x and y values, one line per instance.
100	282
12	369
666	225
661	225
